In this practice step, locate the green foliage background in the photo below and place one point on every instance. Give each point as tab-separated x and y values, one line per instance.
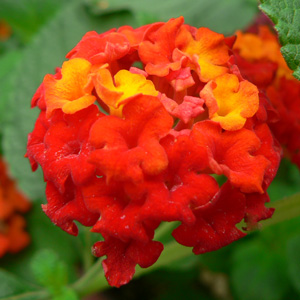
265	265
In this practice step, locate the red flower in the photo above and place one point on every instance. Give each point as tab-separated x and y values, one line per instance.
124	149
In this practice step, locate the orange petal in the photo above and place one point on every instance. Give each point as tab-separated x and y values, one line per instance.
157	48
263	46
208	52
72	107
125	85
74	86
18	238
229	101
233	153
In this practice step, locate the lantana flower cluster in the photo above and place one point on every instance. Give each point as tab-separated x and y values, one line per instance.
13	205
137	127
260	60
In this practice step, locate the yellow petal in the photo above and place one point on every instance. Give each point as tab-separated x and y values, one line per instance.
229	101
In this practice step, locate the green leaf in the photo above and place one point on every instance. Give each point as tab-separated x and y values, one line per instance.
27	16
11	285
7	76
222	16
261	261
286	16
258	273
46	52
293	258
49	270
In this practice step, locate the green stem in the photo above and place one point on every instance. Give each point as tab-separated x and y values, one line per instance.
164	229
87	257
285	209
92	281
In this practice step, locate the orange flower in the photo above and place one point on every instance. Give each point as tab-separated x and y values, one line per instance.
263	46
72	92
5	30
13	238
208	52
229	101
158	50
117	91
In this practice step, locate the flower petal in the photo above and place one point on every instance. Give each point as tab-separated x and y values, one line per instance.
232	153
72	87
216	225
119	266
208	52
229	101
115	92
126	149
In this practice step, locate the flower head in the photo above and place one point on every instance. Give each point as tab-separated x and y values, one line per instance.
124	149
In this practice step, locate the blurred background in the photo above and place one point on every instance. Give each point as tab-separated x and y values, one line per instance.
35	36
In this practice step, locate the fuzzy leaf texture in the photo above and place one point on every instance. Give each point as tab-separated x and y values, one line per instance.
11	285
48	270
286	16
213	14
26	16
52	273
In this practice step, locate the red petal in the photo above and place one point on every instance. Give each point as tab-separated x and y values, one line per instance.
190	108
215	225
157	48
64	208
119	266
256	210
125	149
63	151
101	48
232	153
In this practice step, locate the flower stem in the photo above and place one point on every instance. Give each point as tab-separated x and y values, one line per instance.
285	209
164	229
92	281
87	257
